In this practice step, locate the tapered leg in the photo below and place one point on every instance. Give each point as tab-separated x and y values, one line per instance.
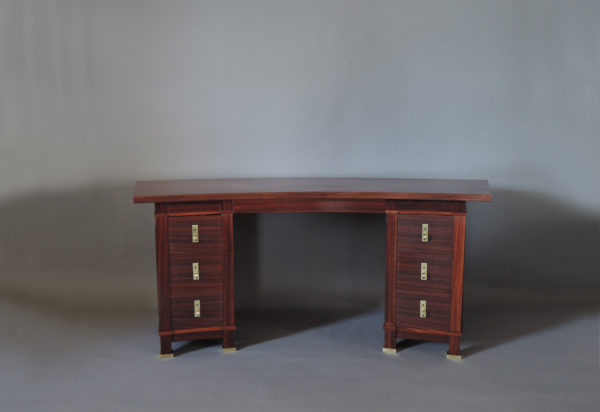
229	341
390	341
165	347
454	348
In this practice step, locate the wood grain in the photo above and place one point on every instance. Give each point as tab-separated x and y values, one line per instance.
438	311
418	334
408	203
439	271
192	208
309	205
180	234
197	336
162	277
182	307
457	283
390	280
435	207
319	188
440	234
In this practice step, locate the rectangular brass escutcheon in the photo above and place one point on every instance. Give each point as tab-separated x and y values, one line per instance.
425	232
423	270
195	237
197	308
196	270
423	309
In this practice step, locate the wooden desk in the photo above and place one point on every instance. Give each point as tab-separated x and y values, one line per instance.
424	248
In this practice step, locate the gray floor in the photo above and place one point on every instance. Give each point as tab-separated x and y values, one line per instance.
527	358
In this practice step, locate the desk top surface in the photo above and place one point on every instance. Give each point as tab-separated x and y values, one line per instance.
310	188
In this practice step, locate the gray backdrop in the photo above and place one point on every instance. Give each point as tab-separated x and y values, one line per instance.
97	94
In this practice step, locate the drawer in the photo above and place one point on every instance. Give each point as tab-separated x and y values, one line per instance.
208	253
183	307
438	272
439	239
210	235
190	208
196	270
437	310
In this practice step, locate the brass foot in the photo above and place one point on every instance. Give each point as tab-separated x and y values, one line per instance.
229	349
390	350
166	355
454	357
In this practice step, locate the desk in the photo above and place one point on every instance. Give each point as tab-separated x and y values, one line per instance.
424	248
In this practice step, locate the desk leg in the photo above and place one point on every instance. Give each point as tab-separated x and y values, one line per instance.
454	348
229	341
457	286
389	327
165	347
163	280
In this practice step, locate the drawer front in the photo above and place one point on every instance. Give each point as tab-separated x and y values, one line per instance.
437	275
437	311
439	238
196	270
198	263
183	307
180	235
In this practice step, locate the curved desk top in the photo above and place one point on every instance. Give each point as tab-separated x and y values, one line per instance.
162	191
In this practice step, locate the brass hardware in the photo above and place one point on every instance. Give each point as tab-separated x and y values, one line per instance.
423	306
197	308
229	349
454	357
195	237
425	232
390	350
423	270
166	355
196	271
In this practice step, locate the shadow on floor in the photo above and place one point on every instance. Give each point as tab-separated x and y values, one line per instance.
490	326
496	318
261	325
256	326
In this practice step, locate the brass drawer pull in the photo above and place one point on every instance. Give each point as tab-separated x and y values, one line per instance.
423	309
195	237
423	270
196	271
197	308
425	232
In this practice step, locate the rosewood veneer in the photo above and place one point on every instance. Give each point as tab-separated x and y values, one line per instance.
424	248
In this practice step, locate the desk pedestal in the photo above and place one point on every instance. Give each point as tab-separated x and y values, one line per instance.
424	270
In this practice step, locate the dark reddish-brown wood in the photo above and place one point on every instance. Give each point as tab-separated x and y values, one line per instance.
435	207
389	325
421	335
197	336
312	188
438	311
440	234
309	205
180	234
439	271
443	252
182	307
162	276
457	283
407	203
193	208
209	252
